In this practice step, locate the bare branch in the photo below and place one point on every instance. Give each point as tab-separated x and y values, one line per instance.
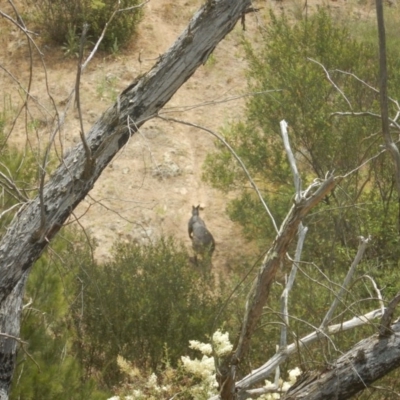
292	160
362	114
331	81
367	85
262	284
77	94
100	39
175	109
289	284
343	289
265	370
9	209
367	361
377	291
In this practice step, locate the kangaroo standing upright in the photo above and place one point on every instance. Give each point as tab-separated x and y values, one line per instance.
202	241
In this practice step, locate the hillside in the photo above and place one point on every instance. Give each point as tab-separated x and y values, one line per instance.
148	190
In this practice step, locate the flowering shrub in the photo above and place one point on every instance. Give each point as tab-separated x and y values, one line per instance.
193	379
146	300
281	387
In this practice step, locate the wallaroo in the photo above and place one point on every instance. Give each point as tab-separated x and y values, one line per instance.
203	242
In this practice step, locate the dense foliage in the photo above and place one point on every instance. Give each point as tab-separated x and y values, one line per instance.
290	70
47	365
62	21
145	305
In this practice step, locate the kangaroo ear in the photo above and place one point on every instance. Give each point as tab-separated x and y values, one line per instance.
198	207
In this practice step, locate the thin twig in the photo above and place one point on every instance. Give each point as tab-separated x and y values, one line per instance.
100	39
214	102
77	92
361	114
292	160
377	291
343	289
331	81
265	370
302	231
367	85
22	343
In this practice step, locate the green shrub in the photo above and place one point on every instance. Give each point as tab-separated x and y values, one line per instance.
63	21
306	99
46	326
147	301
51	370
365	203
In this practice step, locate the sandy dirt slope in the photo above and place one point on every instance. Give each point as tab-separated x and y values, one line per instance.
149	188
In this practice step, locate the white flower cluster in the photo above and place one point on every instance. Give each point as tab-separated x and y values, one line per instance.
222	345
152	384
282	386
205	367
204	348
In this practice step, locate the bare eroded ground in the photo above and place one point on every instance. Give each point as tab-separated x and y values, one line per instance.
149	188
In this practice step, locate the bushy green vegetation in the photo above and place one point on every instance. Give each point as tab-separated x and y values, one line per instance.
18	176
46	366
52	371
145	305
287	68
62	21
306	100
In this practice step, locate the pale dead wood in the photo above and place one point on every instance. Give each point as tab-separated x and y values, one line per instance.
343	290
302	231
274	259
260	290
261	373
366	362
291	159
285	294
259	293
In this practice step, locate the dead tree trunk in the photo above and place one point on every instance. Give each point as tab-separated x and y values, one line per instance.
367	361
39	220
262	284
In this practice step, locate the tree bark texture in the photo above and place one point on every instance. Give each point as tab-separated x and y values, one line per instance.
260	290
368	361
29	233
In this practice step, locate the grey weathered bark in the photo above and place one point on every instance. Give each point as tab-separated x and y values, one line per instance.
9	310
260	290
367	361
29	233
